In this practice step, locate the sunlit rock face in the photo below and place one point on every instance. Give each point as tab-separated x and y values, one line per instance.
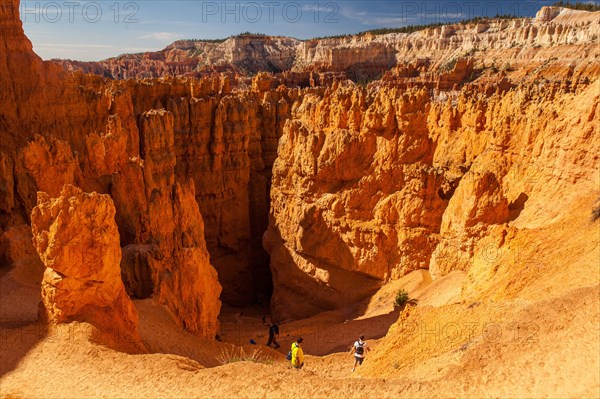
83	132
77	239
369	186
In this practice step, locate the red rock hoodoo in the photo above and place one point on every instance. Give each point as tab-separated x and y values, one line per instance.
77	239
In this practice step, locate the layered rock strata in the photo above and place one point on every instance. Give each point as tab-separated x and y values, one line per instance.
528	43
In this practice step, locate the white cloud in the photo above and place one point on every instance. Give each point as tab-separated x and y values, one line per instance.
390	19
166	22
69	45
161	36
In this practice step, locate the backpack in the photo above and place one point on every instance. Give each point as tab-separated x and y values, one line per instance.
359	349
289	355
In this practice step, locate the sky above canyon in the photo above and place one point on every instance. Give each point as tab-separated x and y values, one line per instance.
95	30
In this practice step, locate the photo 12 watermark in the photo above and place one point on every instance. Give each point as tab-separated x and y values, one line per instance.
269	12
382	14
205	12
53	12
470	331
424	12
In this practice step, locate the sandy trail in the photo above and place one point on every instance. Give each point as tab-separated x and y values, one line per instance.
63	361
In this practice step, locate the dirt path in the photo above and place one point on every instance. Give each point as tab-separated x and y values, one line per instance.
58	362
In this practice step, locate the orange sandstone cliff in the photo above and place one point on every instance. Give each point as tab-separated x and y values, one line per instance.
461	148
368	187
84	133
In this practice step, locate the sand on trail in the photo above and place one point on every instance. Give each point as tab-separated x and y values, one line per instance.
63	361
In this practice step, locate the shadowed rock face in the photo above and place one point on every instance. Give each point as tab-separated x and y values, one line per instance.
353	185
226	143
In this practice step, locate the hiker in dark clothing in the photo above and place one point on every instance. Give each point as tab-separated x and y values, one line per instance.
273	332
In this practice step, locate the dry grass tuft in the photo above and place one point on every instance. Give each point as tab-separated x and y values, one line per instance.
240	355
596	211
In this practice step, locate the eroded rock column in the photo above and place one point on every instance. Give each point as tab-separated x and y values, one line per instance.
78	241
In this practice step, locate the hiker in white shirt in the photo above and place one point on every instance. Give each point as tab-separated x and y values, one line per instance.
359	349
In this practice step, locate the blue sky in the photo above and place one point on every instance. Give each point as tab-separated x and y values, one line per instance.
94	30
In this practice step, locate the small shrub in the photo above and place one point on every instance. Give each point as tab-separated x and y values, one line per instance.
401	299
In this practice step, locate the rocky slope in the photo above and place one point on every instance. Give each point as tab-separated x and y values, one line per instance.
370	186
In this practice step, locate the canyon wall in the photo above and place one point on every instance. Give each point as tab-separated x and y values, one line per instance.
526	44
97	134
353	184
355	197
226	142
372	184
369	186
61	129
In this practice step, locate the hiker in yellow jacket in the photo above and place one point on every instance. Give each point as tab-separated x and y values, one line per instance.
297	354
